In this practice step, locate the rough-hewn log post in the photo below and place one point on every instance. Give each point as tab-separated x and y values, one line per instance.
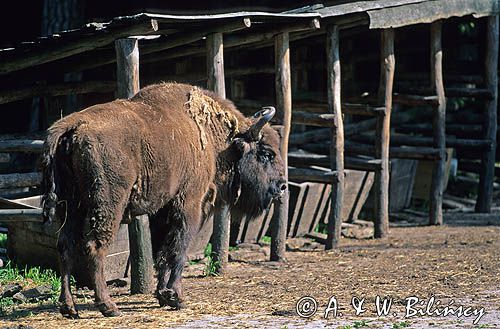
215	64
337	136
487	173
215	82
141	255
438	126
387	67
284	117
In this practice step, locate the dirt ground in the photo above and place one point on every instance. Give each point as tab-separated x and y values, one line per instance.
458	261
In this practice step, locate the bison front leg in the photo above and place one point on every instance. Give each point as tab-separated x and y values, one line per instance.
172	257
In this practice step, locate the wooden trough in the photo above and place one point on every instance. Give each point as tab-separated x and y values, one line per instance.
34	243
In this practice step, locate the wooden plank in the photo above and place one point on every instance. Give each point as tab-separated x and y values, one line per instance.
313	119
410	140
362	109
60	89
77	46
20	180
427	12
387	66
221	224
415	100
141	254
284	117
323	160
337	136
102	57
487	174
21	215
438	123
312	175
21	145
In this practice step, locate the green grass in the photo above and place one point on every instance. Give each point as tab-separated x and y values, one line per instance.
400	325
27	277
3	240
361	324
265	239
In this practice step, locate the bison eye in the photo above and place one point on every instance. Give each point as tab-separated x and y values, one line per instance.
266	155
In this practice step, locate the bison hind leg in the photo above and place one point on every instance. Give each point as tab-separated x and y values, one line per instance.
179	223
66	250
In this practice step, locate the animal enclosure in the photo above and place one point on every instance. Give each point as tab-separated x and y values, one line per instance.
376	103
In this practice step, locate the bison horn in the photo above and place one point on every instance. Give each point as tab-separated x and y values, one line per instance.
263	116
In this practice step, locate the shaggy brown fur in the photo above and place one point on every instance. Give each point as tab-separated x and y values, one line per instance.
168	152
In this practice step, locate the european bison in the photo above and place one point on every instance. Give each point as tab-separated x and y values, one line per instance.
169	152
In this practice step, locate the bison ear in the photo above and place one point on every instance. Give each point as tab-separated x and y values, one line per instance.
260	119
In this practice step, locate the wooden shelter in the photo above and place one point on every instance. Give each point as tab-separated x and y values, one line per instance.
160	37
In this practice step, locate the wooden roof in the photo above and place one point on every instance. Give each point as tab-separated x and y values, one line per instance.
172	31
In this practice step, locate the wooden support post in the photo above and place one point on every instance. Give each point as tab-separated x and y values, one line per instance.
284	117
215	82
438	126
215	64
387	66
141	254
337	136
487	174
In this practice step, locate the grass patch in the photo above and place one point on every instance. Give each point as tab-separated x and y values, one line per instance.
27	277
265	239
3	240
212	266
400	325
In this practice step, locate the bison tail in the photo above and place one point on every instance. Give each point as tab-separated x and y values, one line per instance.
55	137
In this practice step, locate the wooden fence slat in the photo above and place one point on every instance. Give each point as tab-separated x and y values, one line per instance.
20	180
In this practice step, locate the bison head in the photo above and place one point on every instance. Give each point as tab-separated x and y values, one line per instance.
259	173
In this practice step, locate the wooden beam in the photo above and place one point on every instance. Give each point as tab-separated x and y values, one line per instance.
21	216
284	117
438	125
21	145
387	66
235	42
312	175
77	46
141	254
20	180
487	174
101	57
215	82
60	89
313	119
337	136
451	141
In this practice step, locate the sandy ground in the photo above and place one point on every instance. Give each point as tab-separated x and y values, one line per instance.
452	262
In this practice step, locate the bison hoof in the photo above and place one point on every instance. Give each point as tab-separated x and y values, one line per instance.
69	312
168	297
109	311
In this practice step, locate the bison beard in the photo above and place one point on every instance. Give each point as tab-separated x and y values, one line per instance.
170	152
